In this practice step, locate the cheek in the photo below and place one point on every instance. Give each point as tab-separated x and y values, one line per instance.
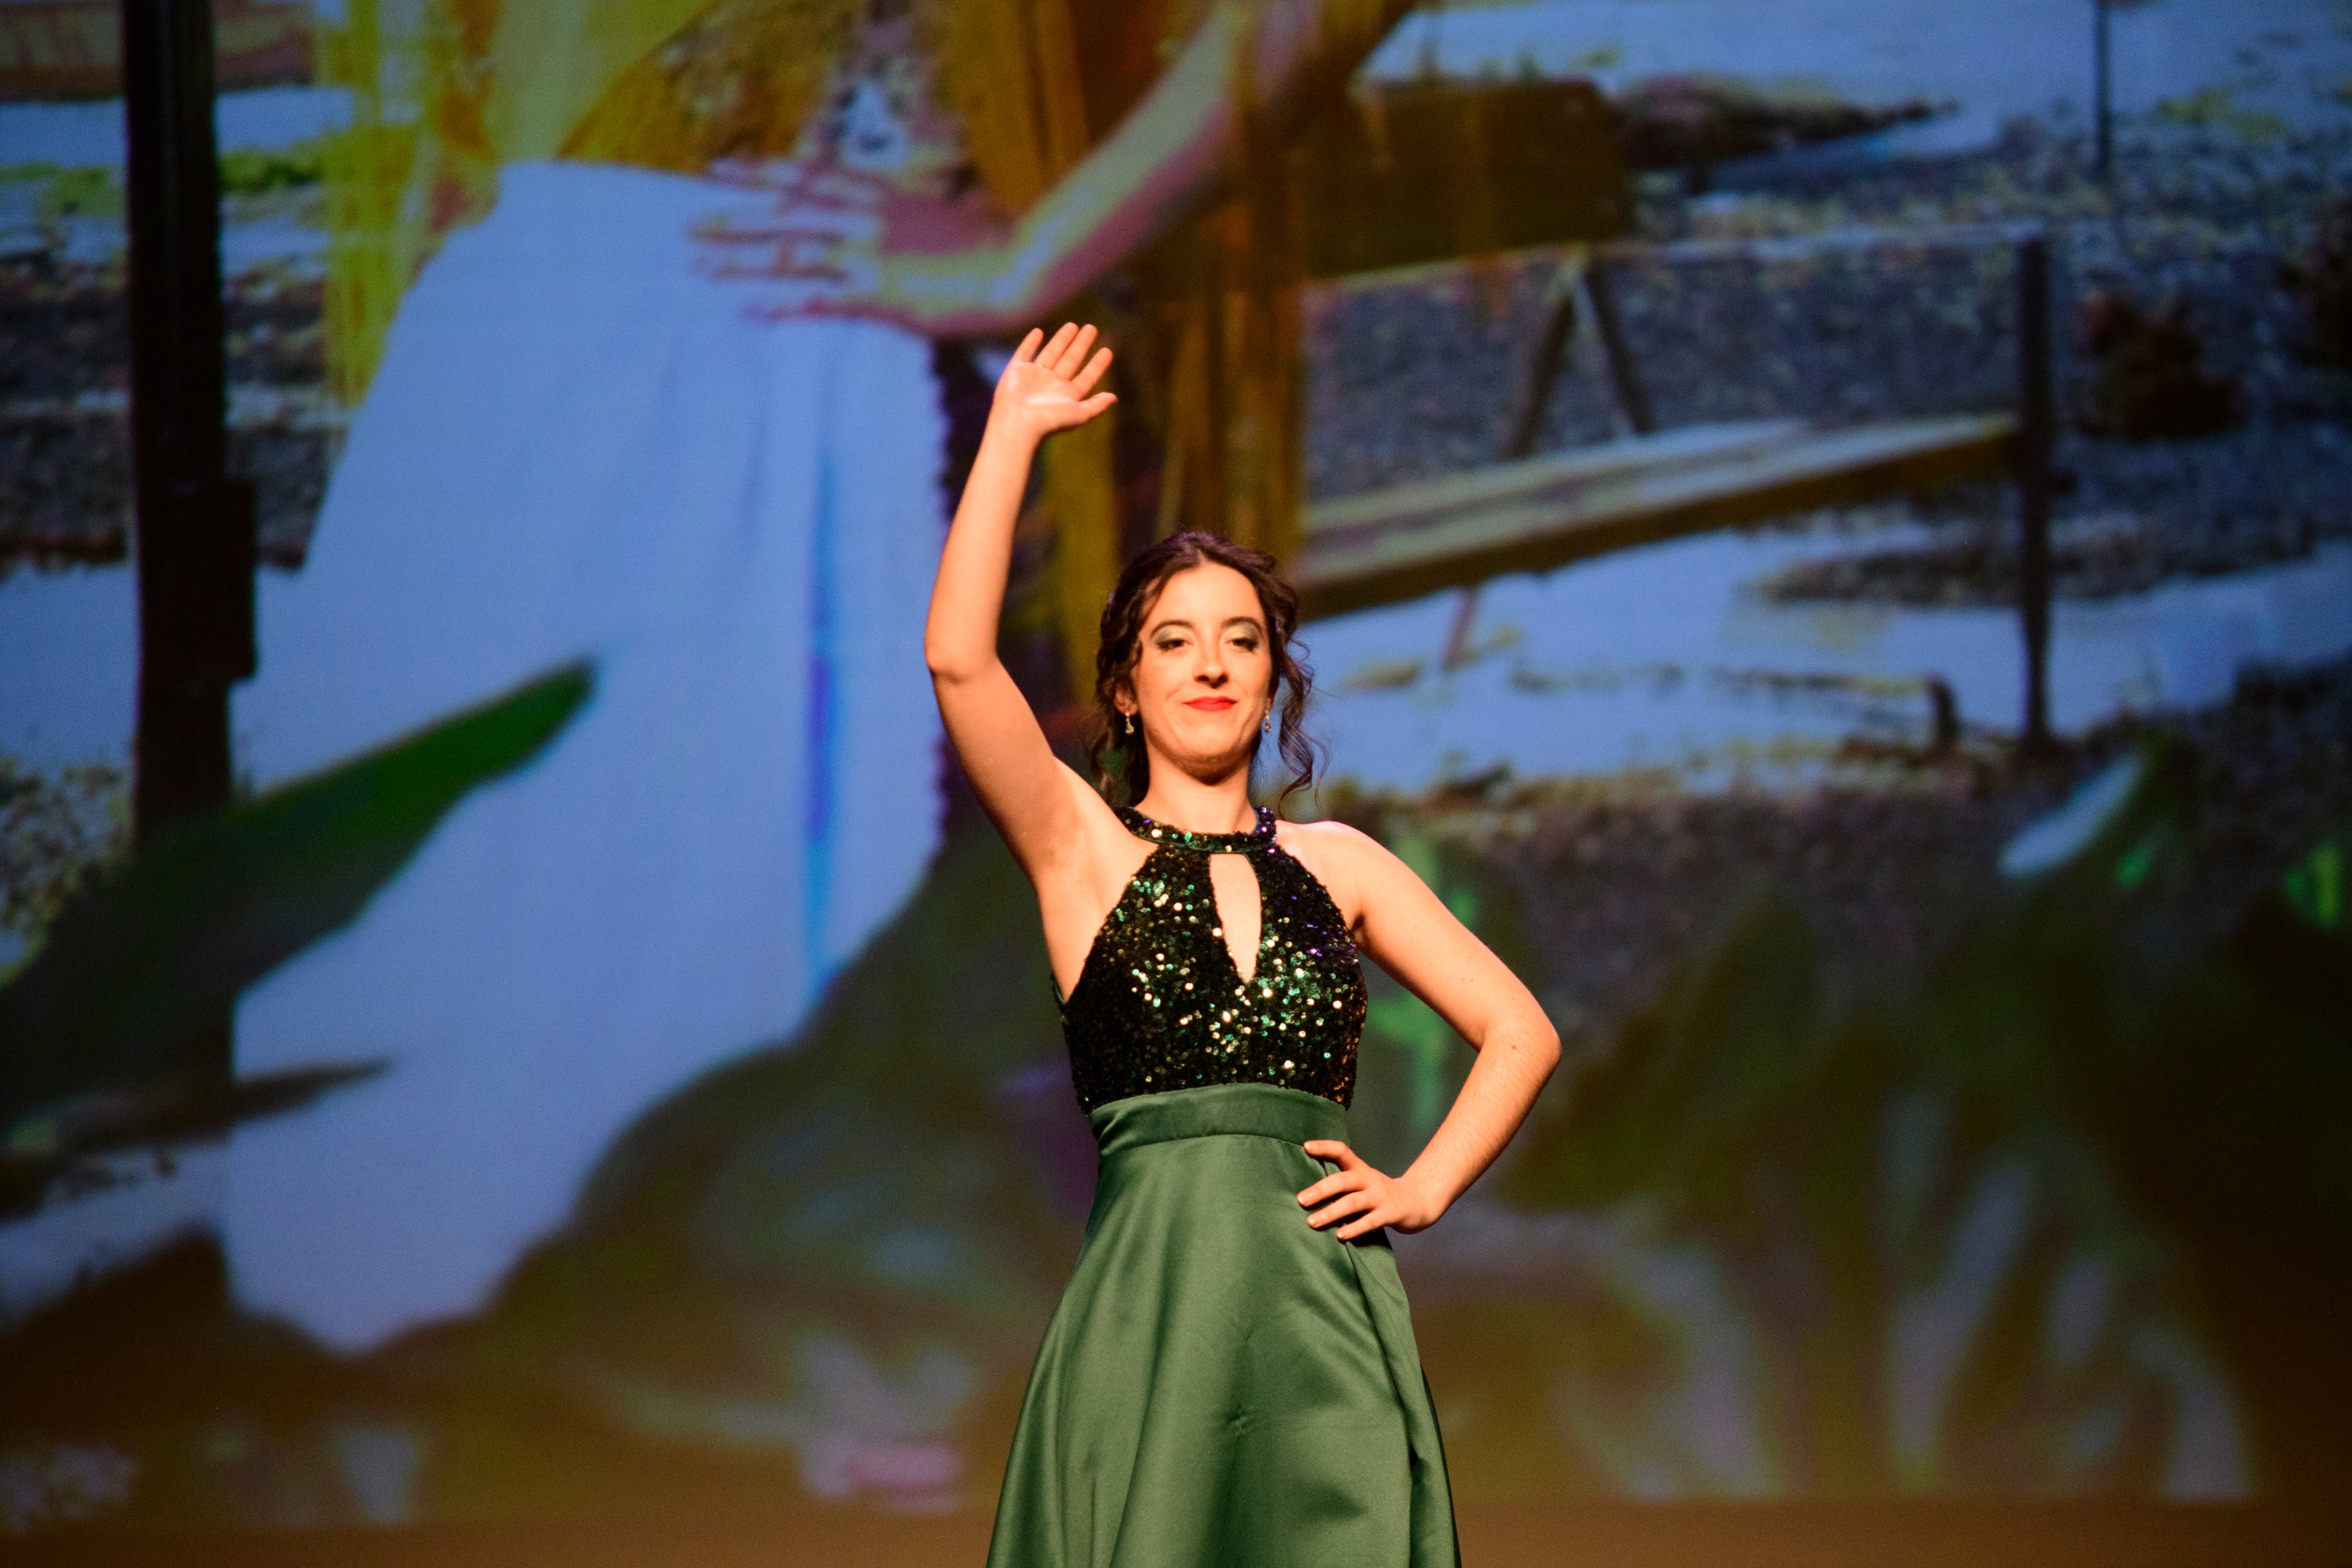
1155	675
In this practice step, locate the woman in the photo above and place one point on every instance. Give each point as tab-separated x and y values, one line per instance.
603	423
1230	1375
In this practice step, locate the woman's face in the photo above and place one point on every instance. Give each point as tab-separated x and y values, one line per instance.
1203	675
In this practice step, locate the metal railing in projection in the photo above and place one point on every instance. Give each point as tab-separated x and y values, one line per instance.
1523	512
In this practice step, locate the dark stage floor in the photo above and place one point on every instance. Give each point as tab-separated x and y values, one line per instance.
1685	1535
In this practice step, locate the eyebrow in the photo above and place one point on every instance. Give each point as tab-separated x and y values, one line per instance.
1250	621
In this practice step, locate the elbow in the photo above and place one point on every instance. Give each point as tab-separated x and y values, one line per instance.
1543	1046
949	667
940	656
1525	1039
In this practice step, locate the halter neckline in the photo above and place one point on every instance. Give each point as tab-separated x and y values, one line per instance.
1143	827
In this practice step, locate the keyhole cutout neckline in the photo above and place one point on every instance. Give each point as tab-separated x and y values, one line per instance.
1160	1004
1260	838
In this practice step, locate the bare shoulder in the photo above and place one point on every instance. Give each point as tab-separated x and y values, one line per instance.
1347	861
1336	839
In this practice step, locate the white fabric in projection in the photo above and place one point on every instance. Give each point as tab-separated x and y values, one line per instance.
576	445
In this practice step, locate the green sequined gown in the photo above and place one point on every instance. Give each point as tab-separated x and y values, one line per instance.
1222	1383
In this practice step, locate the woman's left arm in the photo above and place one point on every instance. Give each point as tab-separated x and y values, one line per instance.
1168	155
1409	931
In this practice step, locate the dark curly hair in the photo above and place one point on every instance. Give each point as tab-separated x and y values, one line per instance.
1121	765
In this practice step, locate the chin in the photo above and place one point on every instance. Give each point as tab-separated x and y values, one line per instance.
1199	733
1203	756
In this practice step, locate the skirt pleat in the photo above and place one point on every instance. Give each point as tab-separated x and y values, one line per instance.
1223	1383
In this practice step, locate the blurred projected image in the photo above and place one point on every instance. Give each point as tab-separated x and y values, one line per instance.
1822	533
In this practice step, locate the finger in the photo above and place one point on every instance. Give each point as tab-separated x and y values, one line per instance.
1341	1182
1364	1225
797	264
1341	1207
808	307
1028	348
723	231
1070	415
1050	356
1331	1217
751	173
1086	380
771	272
1332	1186
829	309
1075	352
1332	1148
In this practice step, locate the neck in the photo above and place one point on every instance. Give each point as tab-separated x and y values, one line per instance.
1195	806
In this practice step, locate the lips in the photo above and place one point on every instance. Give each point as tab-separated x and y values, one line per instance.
1211	704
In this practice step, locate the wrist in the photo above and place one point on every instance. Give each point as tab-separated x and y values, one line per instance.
1010	431
1431	1196
972	293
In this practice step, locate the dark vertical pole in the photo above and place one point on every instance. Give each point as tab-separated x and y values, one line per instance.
2037	419
195	538
194	528
2102	92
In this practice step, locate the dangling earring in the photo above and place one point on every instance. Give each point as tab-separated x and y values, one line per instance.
1131	723
1267	728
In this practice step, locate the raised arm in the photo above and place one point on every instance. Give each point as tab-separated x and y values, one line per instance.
1168	155
1409	931
1269	59
1028	793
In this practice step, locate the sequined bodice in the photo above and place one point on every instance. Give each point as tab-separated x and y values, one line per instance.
1160	1004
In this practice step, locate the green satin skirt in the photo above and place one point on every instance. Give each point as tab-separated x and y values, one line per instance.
1223	1383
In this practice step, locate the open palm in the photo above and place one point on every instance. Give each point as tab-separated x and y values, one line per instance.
1049	385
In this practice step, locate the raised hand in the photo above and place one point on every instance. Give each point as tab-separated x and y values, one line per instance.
806	237
1365	1197
1049	385
809	239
